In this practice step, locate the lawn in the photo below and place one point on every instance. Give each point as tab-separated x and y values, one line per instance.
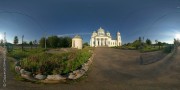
150	49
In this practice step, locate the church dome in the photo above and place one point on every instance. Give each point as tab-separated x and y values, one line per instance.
101	30
77	36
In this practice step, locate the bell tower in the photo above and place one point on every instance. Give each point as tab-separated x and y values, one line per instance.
119	42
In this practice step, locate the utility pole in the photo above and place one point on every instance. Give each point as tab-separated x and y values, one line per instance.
22	42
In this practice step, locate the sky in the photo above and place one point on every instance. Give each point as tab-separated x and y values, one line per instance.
153	19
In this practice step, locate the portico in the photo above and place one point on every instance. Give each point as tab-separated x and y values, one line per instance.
100	41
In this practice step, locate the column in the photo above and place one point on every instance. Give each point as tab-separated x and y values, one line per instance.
99	41
104	41
95	42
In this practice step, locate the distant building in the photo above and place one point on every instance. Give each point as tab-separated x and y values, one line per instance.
77	42
100	39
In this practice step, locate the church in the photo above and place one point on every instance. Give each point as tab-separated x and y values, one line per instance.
100	38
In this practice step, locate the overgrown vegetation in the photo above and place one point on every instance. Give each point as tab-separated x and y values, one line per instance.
147	46
168	49
12	65
19	54
46	63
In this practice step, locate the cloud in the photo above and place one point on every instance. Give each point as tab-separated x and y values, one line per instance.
72	34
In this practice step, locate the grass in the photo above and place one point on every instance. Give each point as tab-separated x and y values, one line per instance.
18	54
127	47
147	48
12	66
150	49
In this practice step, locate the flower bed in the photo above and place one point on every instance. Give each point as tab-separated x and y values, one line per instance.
49	67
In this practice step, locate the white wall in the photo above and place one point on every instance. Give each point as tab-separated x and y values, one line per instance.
77	43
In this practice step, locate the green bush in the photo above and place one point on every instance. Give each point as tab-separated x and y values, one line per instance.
168	49
18	55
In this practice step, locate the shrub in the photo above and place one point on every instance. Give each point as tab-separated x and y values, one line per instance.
18	55
168	49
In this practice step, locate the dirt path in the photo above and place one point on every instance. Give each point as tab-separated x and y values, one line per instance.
115	69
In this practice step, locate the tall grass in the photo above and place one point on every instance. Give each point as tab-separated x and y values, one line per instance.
19	54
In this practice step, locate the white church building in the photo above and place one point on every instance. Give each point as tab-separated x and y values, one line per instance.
100	38
77	42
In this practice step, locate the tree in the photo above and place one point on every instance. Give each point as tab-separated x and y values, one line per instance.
176	42
60	42
42	42
1	41
136	44
25	43
156	41
16	40
128	44
56	42
85	44
22	42
148	42
164	44
53	41
35	43
159	44
67	42
31	44
140	40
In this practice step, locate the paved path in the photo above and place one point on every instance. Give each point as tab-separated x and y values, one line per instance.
115	69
